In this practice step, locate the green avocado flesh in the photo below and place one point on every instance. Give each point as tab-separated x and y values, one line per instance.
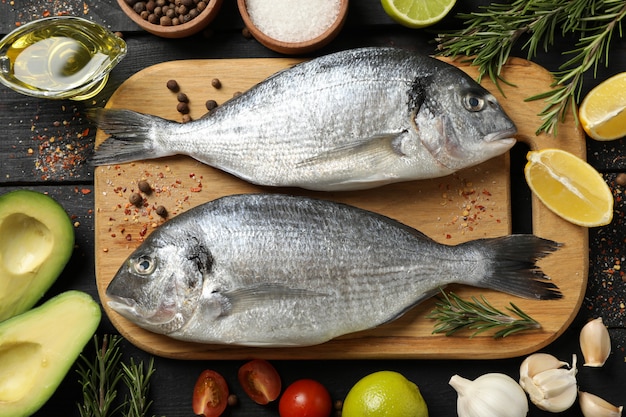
38	348
36	242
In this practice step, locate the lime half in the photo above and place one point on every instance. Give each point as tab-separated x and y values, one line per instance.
384	394
417	13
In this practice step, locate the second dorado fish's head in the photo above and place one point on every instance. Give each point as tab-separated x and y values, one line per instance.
160	283
459	121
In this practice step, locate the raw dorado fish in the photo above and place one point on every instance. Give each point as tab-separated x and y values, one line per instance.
351	120
278	270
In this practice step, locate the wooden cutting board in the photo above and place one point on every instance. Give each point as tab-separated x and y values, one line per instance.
470	204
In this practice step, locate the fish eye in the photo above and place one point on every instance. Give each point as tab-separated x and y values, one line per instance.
473	102
144	265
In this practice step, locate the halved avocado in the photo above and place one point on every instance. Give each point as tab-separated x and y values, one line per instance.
38	348
36	242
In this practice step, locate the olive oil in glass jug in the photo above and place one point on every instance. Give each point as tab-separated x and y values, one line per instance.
62	57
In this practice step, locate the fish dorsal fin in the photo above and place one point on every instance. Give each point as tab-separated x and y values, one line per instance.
372	151
243	299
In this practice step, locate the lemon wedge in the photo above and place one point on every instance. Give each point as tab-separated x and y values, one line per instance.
570	187
417	13
602	113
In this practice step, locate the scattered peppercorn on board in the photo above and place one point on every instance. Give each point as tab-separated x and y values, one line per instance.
470	204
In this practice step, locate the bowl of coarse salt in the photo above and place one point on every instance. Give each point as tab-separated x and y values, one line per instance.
293	26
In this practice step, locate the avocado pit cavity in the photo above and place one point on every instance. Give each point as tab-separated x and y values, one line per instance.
19	367
26	244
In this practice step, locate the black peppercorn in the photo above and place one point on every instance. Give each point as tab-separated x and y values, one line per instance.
172	85
215	82
144	186
161	211
182	108
211	104
139	7
136	199
232	400
182	97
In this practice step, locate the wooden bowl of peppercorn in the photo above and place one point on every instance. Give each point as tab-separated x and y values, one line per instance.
171	18
308	26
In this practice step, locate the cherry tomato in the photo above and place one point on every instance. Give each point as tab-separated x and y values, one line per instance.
260	380
305	398
210	395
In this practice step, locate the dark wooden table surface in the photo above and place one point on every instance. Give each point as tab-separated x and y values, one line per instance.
45	146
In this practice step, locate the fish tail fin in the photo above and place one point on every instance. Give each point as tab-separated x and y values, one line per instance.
514	269
133	136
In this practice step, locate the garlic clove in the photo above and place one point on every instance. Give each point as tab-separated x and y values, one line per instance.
595	343
558	390
594	406
539	362
552	388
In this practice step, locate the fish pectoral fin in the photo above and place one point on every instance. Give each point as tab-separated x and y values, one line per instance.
244	298
374	151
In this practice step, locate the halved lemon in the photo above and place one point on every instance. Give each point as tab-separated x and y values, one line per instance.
417	13
570	187
602	113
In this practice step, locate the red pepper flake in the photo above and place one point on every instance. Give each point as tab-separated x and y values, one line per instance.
85	133
129	237
448	236
143	231
196	189
85	191
46	13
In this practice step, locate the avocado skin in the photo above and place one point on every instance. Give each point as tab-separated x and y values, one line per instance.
38	348
31	207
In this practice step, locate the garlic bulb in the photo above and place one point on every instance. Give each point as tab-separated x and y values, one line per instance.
595	343
489	395
549	386
594	406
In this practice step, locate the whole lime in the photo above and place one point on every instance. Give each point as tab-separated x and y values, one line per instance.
384	394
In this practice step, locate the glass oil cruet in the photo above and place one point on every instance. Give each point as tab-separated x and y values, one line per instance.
61	57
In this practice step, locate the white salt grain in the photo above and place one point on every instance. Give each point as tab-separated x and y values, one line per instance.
293	20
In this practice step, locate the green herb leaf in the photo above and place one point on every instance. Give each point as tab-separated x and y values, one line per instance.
454	314
490	34
100	379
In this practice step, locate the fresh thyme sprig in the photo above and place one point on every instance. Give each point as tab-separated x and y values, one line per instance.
453	314
100	379
489	35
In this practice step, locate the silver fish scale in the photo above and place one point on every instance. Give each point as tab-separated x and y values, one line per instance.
323	264
354	119
321	112
278	270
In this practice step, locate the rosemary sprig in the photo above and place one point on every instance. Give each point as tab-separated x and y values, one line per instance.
489	36
138	382
453	314
100	379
